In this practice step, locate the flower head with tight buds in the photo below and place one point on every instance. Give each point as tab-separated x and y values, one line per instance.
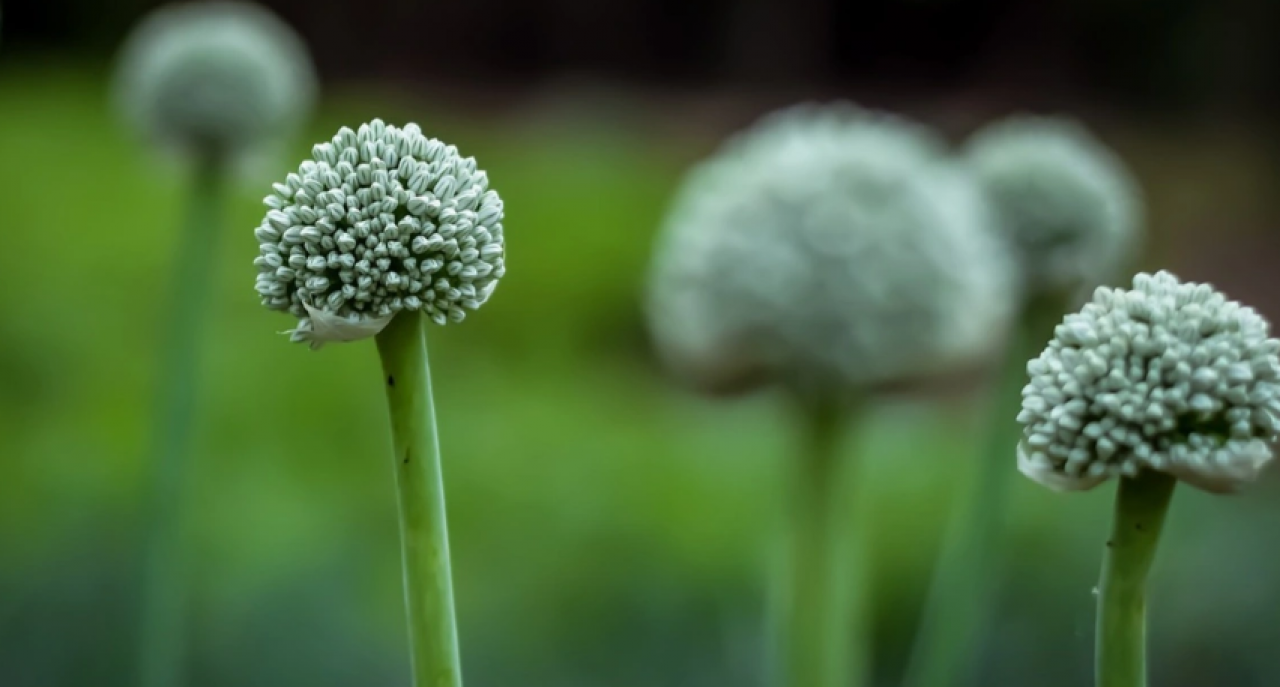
226	76
1065	202
1166	376
380	221
828	247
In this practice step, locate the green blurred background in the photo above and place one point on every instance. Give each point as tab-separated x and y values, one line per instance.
607	528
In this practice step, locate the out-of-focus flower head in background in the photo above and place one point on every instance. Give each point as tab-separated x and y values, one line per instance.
223	75
1067	203
827	247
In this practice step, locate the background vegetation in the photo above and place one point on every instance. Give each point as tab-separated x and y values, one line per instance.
607	528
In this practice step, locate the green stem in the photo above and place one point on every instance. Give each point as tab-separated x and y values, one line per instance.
957	609
424	535
819	647
162	635
1141	504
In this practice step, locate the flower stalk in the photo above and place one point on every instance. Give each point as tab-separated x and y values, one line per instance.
380	232
424	536
162	639
1140	508
1168	381
818	645
956	611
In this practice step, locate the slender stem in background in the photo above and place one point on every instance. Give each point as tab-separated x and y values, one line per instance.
1121	650
959	603
819	645
424	534
162	635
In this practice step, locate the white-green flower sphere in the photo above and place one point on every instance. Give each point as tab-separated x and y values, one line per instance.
1066	202
379	221
214	77
827	248
1165	376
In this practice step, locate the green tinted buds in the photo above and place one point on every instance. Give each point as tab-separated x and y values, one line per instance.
379	221
1165	376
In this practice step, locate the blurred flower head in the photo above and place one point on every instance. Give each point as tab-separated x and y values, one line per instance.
214	78
1067	203
1165	376
380	221
827	248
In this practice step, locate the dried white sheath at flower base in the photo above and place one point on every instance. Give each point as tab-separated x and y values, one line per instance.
1166	376
224	74
826	246
1067	204
379	221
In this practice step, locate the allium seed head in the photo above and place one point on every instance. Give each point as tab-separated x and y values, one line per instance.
1067	204
1165	376
218	77
830	248
379	221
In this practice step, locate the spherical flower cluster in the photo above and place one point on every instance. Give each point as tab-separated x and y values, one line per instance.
380	221
215	77
1066	203
1167	376
827	247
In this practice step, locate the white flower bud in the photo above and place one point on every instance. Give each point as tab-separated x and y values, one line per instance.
353	264
1167	376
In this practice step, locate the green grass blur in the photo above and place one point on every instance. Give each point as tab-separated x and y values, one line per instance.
607	529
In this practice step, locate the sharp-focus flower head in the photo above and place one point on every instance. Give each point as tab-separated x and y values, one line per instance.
380	221
225	76
828	247
1067	203
1165	376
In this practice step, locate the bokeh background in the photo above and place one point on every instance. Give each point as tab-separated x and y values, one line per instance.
607	528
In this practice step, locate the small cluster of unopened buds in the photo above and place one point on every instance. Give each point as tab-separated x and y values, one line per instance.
379	221
1165	376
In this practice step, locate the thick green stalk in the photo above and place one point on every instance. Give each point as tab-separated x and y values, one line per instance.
956	611
424	534
1121	650
162	635
819	647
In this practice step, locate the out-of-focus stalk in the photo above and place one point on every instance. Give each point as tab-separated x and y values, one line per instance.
162	635
818	633
956	612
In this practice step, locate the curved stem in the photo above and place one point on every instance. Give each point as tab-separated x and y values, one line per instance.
818	646
1141	504
162	636
424	536
957	608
